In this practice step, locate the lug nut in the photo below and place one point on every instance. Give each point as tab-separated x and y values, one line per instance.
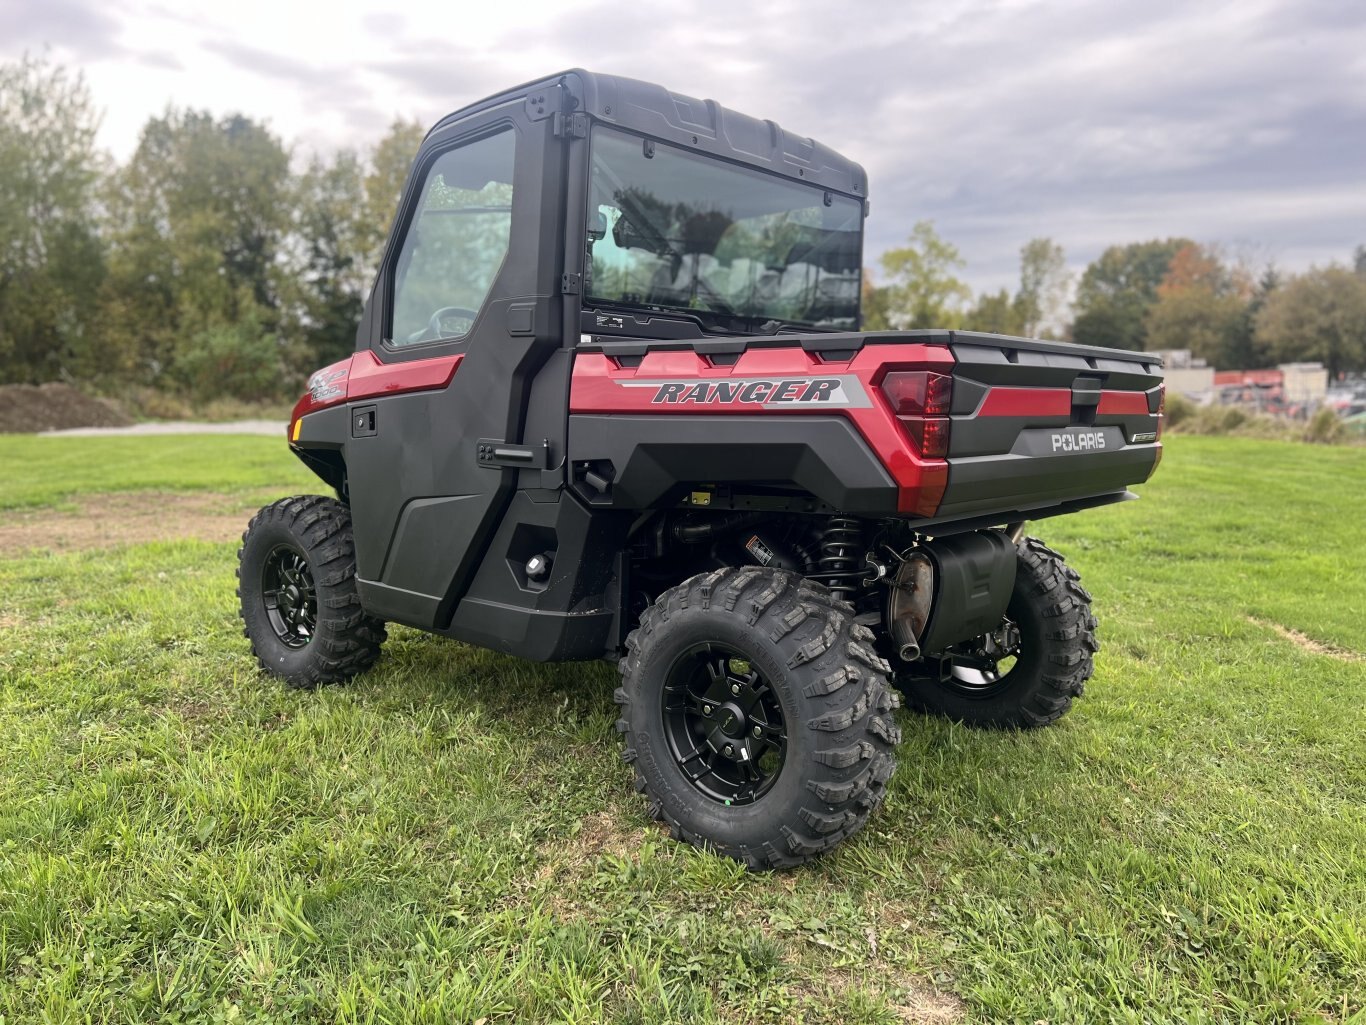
735	688
706	709
729	751
758	731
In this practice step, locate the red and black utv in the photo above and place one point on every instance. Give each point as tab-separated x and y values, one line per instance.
609	400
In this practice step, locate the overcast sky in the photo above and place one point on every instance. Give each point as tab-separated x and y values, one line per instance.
1242	122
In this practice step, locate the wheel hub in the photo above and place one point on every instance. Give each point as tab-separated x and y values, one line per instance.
730	720
290	596
977	668
724	724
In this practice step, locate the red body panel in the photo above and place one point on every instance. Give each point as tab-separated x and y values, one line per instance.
602	384
1122	403
363	376
1003	401
370	378
788	381
1027	402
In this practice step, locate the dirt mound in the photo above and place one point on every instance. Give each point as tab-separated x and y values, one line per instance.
26	408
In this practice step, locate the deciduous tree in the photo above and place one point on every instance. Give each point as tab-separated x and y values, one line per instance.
873	304
1044	282
51	259
1201	306
390	161
197	220
333	253
1319	315
344	211
922	288
996	312
1118	288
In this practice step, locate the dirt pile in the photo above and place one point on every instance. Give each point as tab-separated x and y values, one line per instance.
26	408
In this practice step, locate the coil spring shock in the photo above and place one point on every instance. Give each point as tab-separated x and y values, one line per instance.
840	566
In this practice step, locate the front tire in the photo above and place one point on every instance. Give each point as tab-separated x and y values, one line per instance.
757	716
1027	673
296	584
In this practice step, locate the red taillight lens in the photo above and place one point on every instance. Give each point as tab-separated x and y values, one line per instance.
921	400
931	435
918	392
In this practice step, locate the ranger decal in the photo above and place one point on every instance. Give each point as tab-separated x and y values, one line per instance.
843	391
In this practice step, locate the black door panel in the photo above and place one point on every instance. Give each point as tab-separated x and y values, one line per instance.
423	507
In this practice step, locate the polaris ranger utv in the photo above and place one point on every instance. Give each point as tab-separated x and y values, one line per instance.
609	399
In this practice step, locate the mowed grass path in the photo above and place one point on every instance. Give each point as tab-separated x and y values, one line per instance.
453	839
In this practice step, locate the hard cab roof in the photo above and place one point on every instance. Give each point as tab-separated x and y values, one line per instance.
702	125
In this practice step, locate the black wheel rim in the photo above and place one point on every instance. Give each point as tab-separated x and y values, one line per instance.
981	667
290	596
724	724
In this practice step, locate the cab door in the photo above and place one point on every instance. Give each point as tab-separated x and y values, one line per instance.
464	315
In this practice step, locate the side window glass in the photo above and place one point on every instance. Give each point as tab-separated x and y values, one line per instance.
455	243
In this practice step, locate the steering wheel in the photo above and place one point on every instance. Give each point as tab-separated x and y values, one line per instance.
433	329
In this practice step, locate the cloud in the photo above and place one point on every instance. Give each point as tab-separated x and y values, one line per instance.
385	24
84	29
1094	123
451	77
158	59
273	65
1101	124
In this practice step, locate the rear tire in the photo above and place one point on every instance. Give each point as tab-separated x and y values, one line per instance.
772	666
1051	613
296	584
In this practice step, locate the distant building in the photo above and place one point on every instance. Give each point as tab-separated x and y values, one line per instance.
1289	389
1305	384
1188	375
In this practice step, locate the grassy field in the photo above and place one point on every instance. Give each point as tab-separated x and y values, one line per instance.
453	838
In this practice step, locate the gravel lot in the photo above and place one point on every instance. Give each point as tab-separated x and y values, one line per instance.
272	427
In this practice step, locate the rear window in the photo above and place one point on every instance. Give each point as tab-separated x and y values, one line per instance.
671	229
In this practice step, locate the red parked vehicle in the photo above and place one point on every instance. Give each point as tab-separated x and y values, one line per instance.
609	400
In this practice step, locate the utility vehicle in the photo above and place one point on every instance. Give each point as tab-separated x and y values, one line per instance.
609	399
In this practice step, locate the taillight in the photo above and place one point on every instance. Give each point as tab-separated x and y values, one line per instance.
921	399
931	436
918	392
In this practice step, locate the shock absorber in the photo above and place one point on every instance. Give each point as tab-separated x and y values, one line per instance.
840	566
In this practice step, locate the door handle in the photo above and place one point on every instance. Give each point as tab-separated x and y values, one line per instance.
500	454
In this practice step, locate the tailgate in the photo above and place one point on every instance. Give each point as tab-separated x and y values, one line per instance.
1037	424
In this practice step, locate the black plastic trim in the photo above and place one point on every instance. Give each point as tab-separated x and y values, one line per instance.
657	459
967	347
939	526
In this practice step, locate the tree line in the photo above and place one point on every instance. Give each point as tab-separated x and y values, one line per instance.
206	265
1162	294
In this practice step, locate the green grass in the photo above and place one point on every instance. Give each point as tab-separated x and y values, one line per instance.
452	837
51	471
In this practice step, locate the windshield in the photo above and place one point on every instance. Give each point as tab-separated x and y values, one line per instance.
669	229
